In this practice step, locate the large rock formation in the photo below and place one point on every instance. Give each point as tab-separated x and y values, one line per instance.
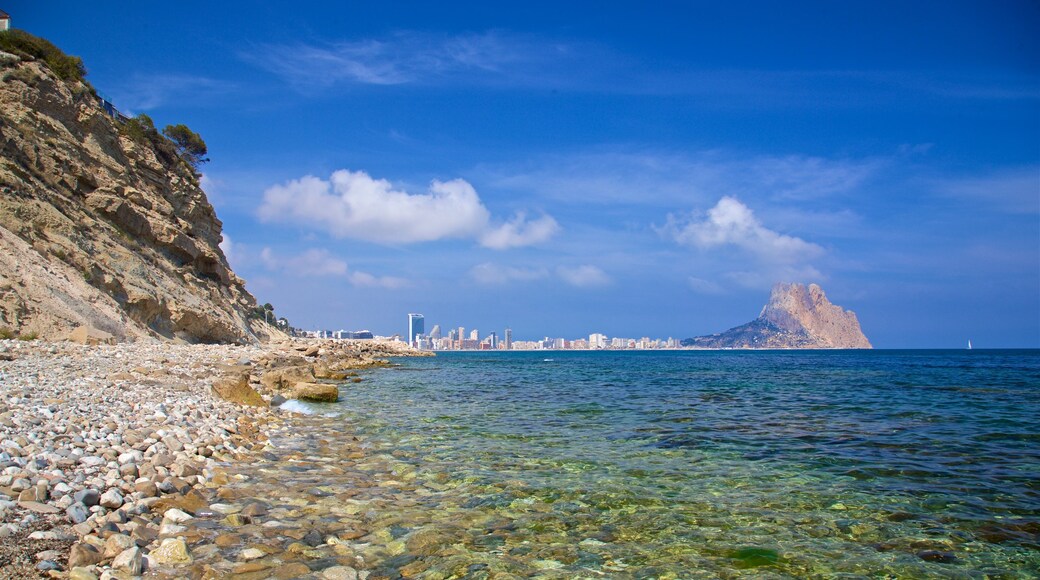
795	317
103	228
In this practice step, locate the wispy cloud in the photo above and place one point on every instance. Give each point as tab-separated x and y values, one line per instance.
702	286
320	263
663	178
519	232
366	280
500	58
409	57
311	263
147	92
493	274
583	276
1015	190
351	204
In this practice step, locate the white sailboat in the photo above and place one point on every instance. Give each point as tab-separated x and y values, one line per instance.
969	344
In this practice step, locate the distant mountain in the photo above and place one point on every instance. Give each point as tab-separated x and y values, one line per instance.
795	317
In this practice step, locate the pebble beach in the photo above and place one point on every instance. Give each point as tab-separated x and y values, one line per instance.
106	450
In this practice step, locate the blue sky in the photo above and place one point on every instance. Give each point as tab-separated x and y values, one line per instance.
603	167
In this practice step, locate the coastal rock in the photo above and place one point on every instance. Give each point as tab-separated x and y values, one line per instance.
83	554
172	551
112	499
318	392
116	544
130	561
105	236
285	378
88	497
235	388
91	336
796	316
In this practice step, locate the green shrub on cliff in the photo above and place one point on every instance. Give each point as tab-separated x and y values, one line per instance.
140	128
189	144
23	44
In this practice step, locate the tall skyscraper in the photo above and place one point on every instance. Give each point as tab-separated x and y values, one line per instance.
436	331
416	323
474	334
509	339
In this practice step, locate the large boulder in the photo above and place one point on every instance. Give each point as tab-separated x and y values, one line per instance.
92	336
284	378
318	392
235	388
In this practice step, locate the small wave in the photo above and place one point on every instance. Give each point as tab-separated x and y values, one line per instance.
298	407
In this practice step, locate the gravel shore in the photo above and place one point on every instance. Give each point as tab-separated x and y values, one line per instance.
101	446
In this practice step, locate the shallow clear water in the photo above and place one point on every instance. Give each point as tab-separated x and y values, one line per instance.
700	464
691	464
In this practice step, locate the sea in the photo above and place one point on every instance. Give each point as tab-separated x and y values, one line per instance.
706	464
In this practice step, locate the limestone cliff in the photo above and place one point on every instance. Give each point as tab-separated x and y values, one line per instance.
100	229
795	317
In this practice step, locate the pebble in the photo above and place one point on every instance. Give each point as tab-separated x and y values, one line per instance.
176	516
171	551
131	560
112	499
93	438
88	497
251	554
78	513
339	573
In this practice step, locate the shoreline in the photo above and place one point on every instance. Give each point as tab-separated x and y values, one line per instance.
105	448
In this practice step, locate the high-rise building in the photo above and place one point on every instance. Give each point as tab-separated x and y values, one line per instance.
509	339
436	331
474	334
416	323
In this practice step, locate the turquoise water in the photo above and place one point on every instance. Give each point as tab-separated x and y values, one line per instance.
720	464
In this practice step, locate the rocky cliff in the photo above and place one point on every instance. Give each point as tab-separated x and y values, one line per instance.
103	228
795	317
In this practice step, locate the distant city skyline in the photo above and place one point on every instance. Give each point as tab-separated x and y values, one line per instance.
459	339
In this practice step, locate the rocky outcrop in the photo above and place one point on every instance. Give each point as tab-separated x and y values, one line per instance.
101	230
317	392
795	317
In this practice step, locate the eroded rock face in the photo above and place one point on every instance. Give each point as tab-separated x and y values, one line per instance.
100	231
795	307
797	316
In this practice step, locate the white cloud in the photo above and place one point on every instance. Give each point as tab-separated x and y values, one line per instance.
731	223
366	280
492	274
318	263
311	263
520	232
583	276
351	204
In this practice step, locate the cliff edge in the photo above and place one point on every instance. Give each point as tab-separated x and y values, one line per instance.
796	316
103	227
